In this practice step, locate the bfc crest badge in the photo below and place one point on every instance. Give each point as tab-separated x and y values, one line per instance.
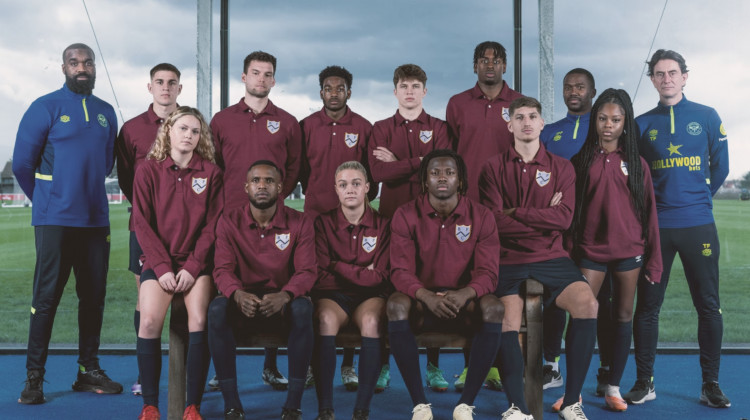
199	185
425	136
369	243
624	167
273	126
652	134
102	120
542	178
694	128
65	118
282	241
558	136
351	139
463	232
506	114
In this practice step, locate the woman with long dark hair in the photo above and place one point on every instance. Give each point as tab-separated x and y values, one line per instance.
614	225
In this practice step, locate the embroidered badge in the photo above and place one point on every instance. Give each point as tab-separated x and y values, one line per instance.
273	126
722	130
694	128
463	232
282	240
506	114
652	134
624	167
64	118
351	139
558	136
542	178
706	250
102	120
199	185
425	136
369	243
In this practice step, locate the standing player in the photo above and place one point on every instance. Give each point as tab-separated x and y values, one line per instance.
444	258
532	194
397	146
178	199
132	146
251	130
478	118
685	145
63	153
352	248
265	265
614	228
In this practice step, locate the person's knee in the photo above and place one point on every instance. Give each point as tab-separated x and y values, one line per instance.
301	309
585	307
397	308
369	325
197	321
327	320
493	311
150	325
624	315
217	313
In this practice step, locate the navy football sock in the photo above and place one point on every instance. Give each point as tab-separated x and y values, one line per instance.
326	367
620	350
369	370
149	368
579	347
405	352
512	362
197	367
483	351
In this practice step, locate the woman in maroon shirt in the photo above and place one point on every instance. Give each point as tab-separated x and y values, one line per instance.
614	225
351	243
177	201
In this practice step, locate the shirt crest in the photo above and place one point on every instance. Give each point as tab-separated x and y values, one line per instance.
624	167
199	184
542	178
506	114
463	232
425	136
351	139
282	240
694	128
369	243
273	126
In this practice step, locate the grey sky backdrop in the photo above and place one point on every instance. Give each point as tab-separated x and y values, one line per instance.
610	38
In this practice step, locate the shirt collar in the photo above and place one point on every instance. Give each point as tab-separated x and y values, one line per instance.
427	210
278	221
541	157
195	164
270	108
366	221
504	95
346	119
422	118
151	115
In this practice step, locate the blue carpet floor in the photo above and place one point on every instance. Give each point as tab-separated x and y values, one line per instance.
677	390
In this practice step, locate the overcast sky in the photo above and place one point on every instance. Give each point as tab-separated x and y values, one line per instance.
610	38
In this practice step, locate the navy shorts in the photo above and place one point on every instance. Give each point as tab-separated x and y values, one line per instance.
149	274
347	301
135	264
465	323
625	264
555	274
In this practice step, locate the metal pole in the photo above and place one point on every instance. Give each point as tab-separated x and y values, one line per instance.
547	58
224	41
517	45
203	57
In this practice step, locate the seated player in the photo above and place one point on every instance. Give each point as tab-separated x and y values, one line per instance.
615	227
352	248
265	265
532	193
177	201
444	258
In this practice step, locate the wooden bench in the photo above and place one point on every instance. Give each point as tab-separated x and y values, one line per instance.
530	338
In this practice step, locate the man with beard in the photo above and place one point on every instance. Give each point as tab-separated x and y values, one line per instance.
264	266
70	134
565	137
251	130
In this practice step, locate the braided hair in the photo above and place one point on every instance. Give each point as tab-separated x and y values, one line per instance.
628	141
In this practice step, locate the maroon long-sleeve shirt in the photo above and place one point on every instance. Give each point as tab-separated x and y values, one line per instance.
429	252
241	138
345	251
478	128
534	232
131	147
612	229
175	212
327	144
408	140
279	257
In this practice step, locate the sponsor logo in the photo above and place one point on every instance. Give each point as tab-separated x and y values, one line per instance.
369	243
674	149
102	120
351	139
542	178
652	134
694	128
199	185
506	114
463	232
425	136
693	163
558	136
282	240
706	250
64	118
273	126
624	167
722	130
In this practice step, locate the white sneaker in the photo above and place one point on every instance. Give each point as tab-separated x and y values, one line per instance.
349	378
421	412
572	412
515	413
463	412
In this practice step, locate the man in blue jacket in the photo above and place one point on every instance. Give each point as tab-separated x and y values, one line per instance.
685	145
63	153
